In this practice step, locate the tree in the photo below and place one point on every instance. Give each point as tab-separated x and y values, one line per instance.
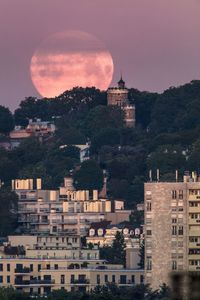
8	211
115	254
89	177
6	120
102	117
106	136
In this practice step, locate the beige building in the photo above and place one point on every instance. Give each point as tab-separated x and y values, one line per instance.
172	229
119	96
36	128
62	211
103	234
51	263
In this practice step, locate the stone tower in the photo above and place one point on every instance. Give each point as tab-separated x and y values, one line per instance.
119	96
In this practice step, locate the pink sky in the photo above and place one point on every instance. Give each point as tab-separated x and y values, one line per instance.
156	43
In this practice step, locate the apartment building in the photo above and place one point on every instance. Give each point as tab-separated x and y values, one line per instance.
62	211
50	266
172	229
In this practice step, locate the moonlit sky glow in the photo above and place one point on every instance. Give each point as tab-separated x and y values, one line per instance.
156	43
69	59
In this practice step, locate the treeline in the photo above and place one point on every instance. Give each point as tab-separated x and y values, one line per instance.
166	137
111	292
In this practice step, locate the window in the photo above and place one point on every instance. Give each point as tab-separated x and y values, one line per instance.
148	206
174	265
39	268
72	278
1	267
113	278
56	267
180	194
8	279
31	267
148	232
62	279
8	267
174	230
141	279
98	279
106	278
48	267
1	279
123	279
149	264
133	278
180	230
174	194
174	220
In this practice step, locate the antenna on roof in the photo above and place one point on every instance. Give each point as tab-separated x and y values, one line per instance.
150	175
176	175
158	174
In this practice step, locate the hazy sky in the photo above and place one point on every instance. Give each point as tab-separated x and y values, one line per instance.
156	43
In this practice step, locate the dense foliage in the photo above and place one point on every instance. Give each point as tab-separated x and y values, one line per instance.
111	292
166	137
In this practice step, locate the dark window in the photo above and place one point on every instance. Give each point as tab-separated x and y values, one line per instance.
39	268
48	267
56	267
1	267
174	194
106	278
98	279
141	279
1	279
72	278
148	232
133	278
31	267
174	230
8	267
8	279
148	206
180	194
113	278
123	279
62	279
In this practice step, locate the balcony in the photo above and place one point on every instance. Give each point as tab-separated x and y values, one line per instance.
127	282
194	221
42	281
194	245
24	270
84	281
194	209
19	281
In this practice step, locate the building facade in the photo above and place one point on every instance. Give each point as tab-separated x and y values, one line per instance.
62	211
118	96
51	263
172	229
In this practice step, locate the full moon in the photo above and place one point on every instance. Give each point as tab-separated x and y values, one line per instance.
70	59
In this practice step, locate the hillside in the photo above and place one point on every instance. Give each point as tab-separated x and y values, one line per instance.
167	137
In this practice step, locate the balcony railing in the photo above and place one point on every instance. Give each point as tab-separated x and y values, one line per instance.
22	270
42	281
80	281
